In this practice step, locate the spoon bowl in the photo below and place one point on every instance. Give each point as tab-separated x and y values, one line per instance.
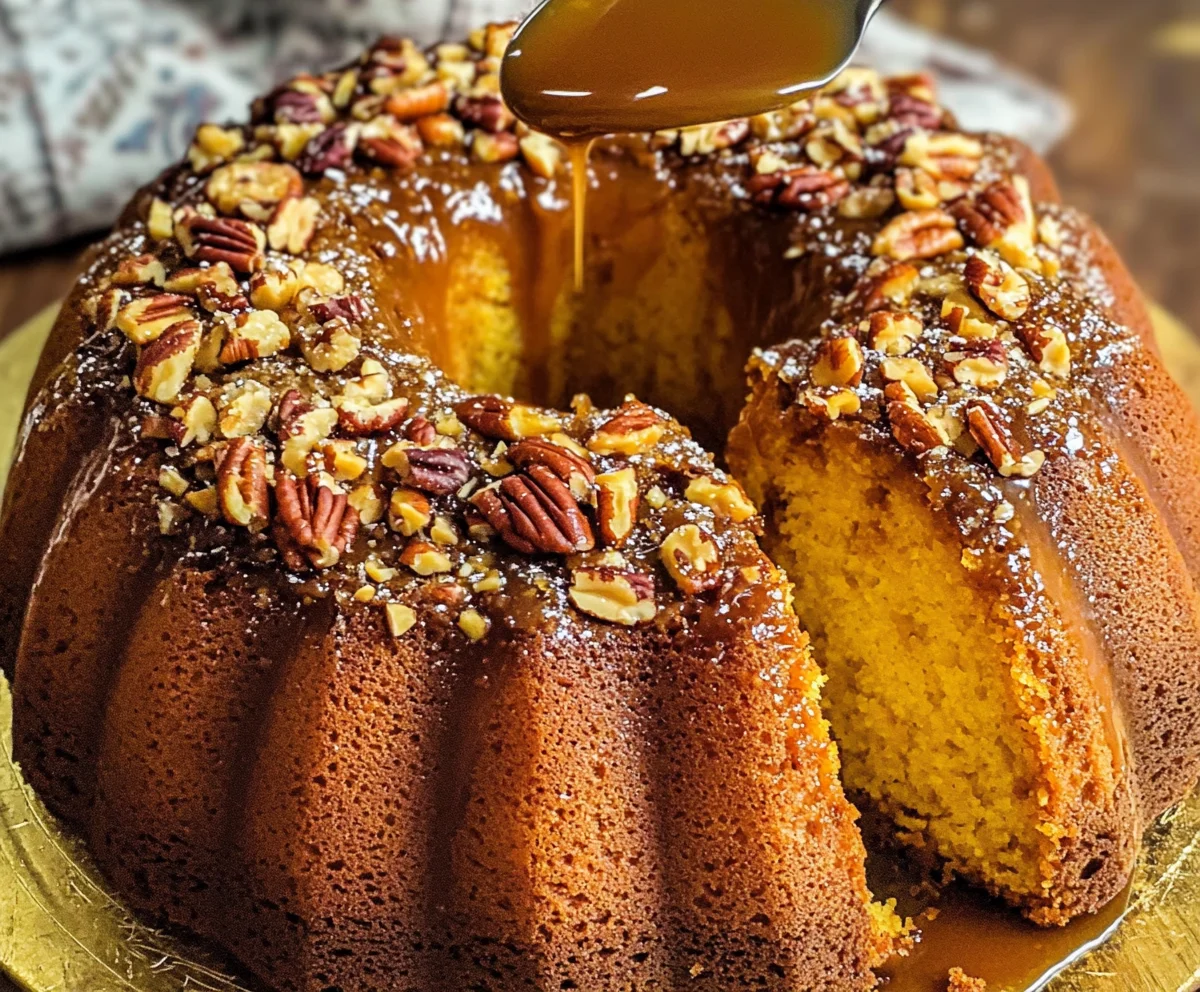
586	67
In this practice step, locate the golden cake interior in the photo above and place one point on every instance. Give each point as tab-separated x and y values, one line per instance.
917	661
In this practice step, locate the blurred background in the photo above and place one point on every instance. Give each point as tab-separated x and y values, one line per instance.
1128	72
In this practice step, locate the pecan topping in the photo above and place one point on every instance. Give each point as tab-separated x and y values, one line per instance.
893	333
572	469
222	239
359	419
982	363
421	431
804	187
256	334
349	307
910	427
487	112
252	188
145	319
318	520
635	428
435	470
390	143
490	148
164	364
623	597
535	512
691	558
616	505
998	286
986	218
918	234
503	420
1048	346
331	149
418	101
838	362
893	286
242	485
288	106
908	109
988	428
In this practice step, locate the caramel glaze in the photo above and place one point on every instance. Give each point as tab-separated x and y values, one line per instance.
1093	556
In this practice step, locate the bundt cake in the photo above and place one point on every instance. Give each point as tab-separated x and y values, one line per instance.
339	656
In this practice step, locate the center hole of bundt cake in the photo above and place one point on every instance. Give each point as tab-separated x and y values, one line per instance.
674	297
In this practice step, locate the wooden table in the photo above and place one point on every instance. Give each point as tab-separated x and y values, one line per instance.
1132	72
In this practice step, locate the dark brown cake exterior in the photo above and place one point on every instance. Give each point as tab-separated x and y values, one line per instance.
382	683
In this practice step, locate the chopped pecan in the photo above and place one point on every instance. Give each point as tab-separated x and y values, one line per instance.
988	428
252	188
893	286
726	498
349	307
535	512
164	364
837	362
359	418
635	428
691	558
910	427
293	224
254	334
893	333
138	270
804	187
145	319
830	404
319	520
998	286
612	594
424	559
1048	346
420	431
333	148
331	346
390	143
492	148
982	363
221	239
441	131
918	234
288	106
486	111
409	511
435	470
242	485
616	505
908	109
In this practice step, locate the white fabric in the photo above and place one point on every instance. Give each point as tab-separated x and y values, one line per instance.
96	96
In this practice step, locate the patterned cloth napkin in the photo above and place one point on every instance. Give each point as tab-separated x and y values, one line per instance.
96	96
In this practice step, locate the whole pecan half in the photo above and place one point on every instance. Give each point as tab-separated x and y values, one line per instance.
333	148
289	106
535	512
488	415
318	521
238	243
910	427
435	470
987	217
242	484
575	471
804	187
908	109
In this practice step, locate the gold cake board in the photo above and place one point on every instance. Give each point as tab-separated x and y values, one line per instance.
61	930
